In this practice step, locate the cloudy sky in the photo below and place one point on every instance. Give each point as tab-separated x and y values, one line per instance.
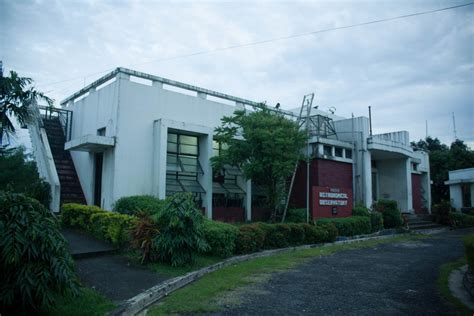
409	70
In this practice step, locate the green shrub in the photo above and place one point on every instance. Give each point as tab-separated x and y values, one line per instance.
349	226
296	215
250	238
468	210
330	228
221	238
376	221
469	250
392	218
441	213
461	220
297	234
316	234
143	233
35	262
383	205
360	210
112	227
19	174
181	231
130	205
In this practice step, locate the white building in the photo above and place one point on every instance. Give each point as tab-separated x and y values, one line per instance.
131	133
461	188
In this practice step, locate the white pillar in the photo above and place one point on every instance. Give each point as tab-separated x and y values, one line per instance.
160	139
205	154
409	191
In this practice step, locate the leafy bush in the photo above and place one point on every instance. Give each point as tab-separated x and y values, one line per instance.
330	228
297	234
112	227
181	231
360	210
383	205
250	238
221	238
35	262
19	174
441	213
461	220
130	205
468	210
392	218
296	215
315	234
376	221
350	226
469	250
143	233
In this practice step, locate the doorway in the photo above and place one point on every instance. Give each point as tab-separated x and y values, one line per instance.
99	158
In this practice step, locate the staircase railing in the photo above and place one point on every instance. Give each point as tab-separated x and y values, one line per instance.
44	157
64	116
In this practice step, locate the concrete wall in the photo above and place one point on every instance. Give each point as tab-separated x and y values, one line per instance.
395	182
97	110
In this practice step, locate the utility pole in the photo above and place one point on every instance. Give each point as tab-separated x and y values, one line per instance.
454	127
370	120
426	130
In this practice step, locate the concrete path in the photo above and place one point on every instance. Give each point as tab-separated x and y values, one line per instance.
98	267
391	279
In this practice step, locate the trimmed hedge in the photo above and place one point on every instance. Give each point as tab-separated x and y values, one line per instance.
221	238
259	236
469	250
130	205
349	226
383	205
296	215
461	220
360	211
392	218
112	227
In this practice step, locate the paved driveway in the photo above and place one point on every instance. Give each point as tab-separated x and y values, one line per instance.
391	279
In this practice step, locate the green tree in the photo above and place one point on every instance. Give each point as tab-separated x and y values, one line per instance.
442	160
16	97
18	173
265	145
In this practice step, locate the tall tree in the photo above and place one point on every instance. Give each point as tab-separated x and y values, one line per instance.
442	160
265	145
16	97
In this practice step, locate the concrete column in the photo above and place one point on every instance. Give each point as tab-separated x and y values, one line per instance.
366	174
205	154
160	139
248	200
409	191
472	194
455	193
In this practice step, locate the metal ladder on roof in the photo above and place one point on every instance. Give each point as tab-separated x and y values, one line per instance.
303	119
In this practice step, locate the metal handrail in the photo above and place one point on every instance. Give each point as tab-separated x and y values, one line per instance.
64	116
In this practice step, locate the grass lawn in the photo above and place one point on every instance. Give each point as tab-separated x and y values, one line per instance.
443	285
204	294
88	303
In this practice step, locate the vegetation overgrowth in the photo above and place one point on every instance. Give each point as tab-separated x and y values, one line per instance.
35	261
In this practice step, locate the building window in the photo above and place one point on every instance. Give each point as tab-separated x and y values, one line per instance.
338	152
226	191
182	166
349	153
218	147
327	150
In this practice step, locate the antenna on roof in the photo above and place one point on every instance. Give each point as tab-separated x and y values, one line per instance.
454	127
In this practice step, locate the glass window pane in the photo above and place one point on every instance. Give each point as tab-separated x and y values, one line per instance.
188	149
172	163
192	186
327	150
338	151
172	186
190	164
217	188
188	140
172	148
172	137
348	153
232	188
215	144
233	171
